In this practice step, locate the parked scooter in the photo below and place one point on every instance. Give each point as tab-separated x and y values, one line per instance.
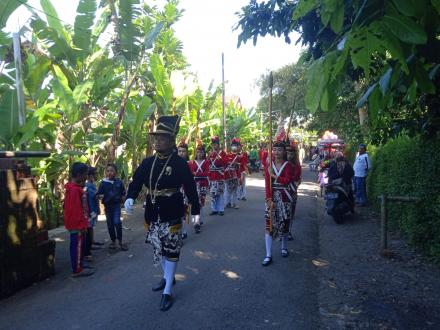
338	202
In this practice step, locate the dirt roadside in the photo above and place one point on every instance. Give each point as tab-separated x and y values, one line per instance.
360	289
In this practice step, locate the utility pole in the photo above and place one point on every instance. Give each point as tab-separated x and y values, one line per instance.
18	79
223	104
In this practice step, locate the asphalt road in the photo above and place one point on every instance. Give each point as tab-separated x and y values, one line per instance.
220	281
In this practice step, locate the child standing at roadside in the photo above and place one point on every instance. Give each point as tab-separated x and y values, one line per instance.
76	215
112	193
93	211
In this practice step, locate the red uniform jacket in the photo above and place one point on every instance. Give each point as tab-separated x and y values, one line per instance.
200	172
296	177
284	178
233	166
217	164
244	160
263	154
296	172
75	212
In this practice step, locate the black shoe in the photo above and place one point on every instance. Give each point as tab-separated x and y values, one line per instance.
213	213
197	228
244	199
166	302
161	285
228	205
221	213
184	235
284	253
289	236
267	261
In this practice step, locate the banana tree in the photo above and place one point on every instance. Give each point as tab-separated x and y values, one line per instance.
8	93
133	134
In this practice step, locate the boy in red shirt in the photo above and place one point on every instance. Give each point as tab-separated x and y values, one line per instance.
76	215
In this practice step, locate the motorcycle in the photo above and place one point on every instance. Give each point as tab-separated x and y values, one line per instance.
338	202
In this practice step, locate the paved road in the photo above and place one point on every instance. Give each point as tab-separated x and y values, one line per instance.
220	281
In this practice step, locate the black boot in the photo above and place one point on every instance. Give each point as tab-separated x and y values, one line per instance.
166	302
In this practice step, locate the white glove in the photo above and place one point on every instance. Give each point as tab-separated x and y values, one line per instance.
128	205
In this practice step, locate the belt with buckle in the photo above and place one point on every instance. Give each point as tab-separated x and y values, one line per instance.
163	192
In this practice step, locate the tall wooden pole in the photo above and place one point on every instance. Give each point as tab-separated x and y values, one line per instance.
270	147
290	122
270	120
18	78
223	103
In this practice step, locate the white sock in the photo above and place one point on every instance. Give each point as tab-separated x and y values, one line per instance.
170	270
196	219
184	225
268	240
284	242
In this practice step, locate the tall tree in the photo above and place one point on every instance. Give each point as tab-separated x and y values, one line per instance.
391	47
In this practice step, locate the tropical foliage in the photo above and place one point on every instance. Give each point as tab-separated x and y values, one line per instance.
95	88
390	48
420	221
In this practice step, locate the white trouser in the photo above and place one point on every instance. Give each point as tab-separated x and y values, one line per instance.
242	188
231	197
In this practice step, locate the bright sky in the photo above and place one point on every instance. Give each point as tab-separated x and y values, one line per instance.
206	31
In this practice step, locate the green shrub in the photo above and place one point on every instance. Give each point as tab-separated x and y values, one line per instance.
408	166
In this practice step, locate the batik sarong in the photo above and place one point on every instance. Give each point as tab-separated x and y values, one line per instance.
166	240
281	213
216	188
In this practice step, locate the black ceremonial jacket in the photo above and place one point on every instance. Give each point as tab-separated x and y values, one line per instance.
177	174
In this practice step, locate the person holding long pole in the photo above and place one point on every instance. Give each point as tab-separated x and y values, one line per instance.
278	174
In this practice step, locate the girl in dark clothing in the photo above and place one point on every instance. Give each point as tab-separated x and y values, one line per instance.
112	193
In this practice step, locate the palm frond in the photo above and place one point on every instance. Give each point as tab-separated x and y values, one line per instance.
100	26
53	20
129	32
7	7
82	28
56	45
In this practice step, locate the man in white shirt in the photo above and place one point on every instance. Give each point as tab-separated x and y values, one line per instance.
362	165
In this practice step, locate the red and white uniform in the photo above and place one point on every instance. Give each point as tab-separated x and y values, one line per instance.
216	176
244	160
263	154
294	186
282	198
232	176
200	170
232	170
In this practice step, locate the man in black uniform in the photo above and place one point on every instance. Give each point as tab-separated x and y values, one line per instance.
163	175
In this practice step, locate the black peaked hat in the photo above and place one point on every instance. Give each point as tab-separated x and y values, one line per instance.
168	125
